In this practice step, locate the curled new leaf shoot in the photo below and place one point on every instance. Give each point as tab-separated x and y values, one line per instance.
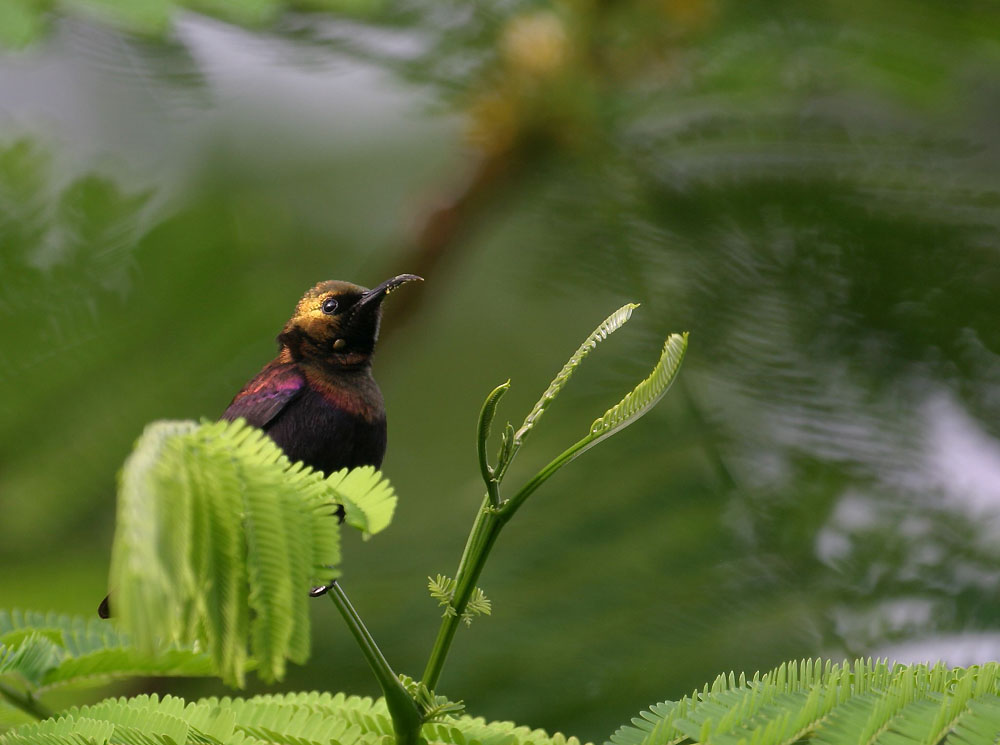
485	422
641	398
637	402
610	324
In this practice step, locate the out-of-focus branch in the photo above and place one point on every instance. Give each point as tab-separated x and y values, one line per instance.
438	238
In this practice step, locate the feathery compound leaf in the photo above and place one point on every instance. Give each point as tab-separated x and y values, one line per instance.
142	720
290	719
432	708
150	552
219	538
49	651
369	499
636	403
817	702
610	324
30	660
62	731
442	589
644	396
981	725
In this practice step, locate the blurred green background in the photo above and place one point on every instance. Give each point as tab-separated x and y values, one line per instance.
811	190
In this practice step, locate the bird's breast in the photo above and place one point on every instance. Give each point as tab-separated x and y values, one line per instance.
328	436
360	398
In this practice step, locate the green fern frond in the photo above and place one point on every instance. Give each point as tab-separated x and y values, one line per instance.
46	651
292	719
31	659
99	667
511	440
369	499
981	724
818	702
77	634
478	605
219	538
142	720
442	589
466	730
350	719
645	395
636	403
62	731
432	708
610	324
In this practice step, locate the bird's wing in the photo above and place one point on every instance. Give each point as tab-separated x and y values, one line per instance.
264	397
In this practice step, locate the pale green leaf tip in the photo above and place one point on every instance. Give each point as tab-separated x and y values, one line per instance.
607	327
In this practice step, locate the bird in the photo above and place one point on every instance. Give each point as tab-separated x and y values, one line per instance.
318	399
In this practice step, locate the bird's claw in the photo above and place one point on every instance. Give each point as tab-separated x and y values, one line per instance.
320	591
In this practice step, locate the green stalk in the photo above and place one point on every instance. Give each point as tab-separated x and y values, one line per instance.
494	512
27	703
406	717
512	505
484	534
493	515
489	523
475	537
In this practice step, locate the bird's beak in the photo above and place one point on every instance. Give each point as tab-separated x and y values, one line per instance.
376	295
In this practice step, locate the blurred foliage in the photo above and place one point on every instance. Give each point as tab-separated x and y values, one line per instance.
42	652
23	22
810	190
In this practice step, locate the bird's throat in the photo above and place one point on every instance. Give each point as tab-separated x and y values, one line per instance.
329	362
353	391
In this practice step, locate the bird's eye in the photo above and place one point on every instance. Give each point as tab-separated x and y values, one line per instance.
329	306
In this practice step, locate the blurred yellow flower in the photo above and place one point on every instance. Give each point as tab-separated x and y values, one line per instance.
535	44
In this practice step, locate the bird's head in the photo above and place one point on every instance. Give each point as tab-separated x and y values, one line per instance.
336	323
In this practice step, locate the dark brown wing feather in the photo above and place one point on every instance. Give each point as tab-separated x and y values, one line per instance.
264	397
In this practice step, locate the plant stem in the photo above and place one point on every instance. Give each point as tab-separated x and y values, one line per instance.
489	523
484	534
493	515
27	703
406	717
512	505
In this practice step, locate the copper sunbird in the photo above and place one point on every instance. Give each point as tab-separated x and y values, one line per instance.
317	399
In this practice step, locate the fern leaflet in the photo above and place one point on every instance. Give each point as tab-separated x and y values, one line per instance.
644	396
442	589
369	500
48	651
869	703
299	718
610	324
219	538
512	441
